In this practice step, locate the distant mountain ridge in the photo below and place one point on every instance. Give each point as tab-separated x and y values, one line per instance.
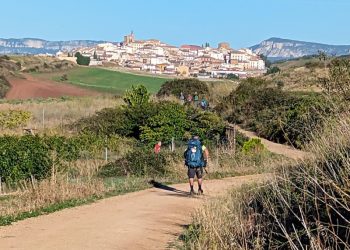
40	46
279	48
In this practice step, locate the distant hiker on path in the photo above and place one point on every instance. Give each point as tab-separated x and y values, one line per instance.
196	99
196	157
182	98
157	147
204	103
189	98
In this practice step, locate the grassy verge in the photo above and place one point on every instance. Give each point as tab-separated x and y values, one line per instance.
305	207
114	187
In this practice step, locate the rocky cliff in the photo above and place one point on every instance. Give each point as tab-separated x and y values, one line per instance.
39	46
277	48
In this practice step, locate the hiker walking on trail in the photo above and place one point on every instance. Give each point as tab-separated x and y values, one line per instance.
196	99
189	98
182	98
204	104
196	158
157	147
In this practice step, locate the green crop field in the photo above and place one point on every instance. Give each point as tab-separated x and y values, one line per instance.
107	80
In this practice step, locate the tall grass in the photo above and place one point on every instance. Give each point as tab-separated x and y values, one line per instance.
56	113
306	206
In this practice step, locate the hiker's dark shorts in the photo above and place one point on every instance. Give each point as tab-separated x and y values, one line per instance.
192	172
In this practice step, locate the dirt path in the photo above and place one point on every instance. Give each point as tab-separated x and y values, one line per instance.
31	87
276	147
149	219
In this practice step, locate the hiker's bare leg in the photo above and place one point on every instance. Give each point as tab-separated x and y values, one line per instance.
191	183
200	183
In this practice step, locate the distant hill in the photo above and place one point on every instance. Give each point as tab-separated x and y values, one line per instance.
39	46
281	49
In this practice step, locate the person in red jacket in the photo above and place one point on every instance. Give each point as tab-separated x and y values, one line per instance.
157	147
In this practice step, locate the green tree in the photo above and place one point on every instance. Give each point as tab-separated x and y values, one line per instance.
232	76
95	55
170	121
273	70
136	96
186	86
266	60
82	60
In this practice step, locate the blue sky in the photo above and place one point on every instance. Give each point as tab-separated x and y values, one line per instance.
242	23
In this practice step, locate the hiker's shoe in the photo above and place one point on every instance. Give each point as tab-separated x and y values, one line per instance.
200	191
192	192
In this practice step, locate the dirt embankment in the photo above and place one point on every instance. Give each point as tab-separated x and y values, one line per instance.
31	87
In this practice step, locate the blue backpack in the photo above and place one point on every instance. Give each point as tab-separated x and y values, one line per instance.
193	154
204	104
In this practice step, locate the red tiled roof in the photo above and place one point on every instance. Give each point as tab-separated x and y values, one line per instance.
191	47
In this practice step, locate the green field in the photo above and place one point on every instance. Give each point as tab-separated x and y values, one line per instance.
107	80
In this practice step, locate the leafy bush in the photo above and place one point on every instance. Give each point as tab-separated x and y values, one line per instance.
66	149
14	118
284	117
273	70
152	121
186	86
171	120
232	76
140	162
206	125
4	86
136	96
64	78
254	145
23	157
313	65
108	121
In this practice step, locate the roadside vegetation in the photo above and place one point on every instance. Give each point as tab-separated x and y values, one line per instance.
107	151
275	114
306	204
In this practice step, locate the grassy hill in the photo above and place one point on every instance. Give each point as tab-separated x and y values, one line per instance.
300	74
106	80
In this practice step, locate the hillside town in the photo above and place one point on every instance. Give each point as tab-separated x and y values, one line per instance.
156	57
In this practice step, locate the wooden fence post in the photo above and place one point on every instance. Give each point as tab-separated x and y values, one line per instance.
43	117
234	139
106	154
172	144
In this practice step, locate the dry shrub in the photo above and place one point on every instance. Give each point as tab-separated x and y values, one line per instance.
59	187
48	192
307	205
